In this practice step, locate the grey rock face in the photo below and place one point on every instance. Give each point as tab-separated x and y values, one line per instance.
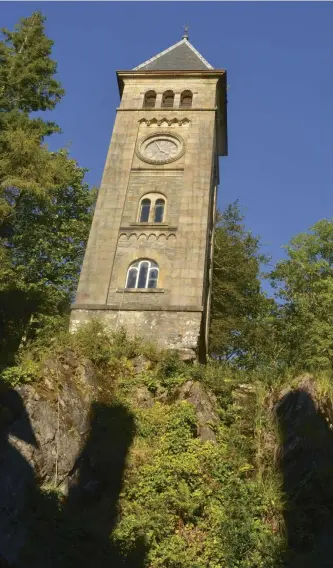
205	406
306	463
143	397
41	434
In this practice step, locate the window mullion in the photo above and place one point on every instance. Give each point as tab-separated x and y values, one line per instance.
148	273
151	210
137	275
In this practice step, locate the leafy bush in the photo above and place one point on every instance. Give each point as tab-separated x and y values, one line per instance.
24	372
204	504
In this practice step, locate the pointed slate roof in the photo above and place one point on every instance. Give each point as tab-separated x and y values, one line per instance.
181	56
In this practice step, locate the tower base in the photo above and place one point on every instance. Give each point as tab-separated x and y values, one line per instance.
180	330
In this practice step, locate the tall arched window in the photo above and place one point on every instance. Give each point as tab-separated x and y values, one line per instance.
167	99
149	100
144	211
142	274
186	99
159	210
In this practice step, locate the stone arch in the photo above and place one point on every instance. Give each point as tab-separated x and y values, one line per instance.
168	99
149	99
186	99
123	237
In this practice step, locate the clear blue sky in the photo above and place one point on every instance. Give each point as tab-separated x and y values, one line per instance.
279	58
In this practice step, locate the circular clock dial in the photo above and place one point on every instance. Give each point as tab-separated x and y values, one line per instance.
161	149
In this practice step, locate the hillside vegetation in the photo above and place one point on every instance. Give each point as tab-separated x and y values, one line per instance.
179	466
181	501
116	453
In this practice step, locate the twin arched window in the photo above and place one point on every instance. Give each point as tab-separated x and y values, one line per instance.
168	99
142	274
152	210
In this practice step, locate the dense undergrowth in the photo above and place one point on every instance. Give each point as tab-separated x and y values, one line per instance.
182	502
192	503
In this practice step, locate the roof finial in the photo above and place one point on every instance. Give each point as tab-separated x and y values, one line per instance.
185	36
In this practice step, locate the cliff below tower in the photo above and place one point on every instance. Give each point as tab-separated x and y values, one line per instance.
116	453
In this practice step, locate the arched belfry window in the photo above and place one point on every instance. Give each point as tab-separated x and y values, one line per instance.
142	274
159	210
149	99
167	99
152	208
186	99
144	210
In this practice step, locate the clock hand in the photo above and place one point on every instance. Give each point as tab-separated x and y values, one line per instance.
160	149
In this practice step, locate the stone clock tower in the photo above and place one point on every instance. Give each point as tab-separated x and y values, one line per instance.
148	261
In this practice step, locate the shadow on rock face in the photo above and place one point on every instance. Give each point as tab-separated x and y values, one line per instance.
17	478
306	463
79	531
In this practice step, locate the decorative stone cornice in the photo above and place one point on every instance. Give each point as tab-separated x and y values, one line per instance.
165	121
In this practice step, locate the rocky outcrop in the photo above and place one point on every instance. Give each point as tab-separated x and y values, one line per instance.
58	407
42	429
205	406
306	463
204	403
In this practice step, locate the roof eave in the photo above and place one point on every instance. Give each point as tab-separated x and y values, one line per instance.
122	74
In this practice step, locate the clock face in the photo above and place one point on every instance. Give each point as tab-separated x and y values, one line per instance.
160	148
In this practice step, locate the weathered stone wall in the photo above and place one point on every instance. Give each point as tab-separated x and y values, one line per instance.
170	329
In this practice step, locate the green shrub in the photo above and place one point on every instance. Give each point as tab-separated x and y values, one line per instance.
201	504
25	372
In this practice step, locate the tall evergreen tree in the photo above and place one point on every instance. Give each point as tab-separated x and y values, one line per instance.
45	206
27	84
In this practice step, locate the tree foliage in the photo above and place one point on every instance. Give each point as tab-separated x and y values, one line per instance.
45	206
293	328
27	84
27	73
303	284
238	303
